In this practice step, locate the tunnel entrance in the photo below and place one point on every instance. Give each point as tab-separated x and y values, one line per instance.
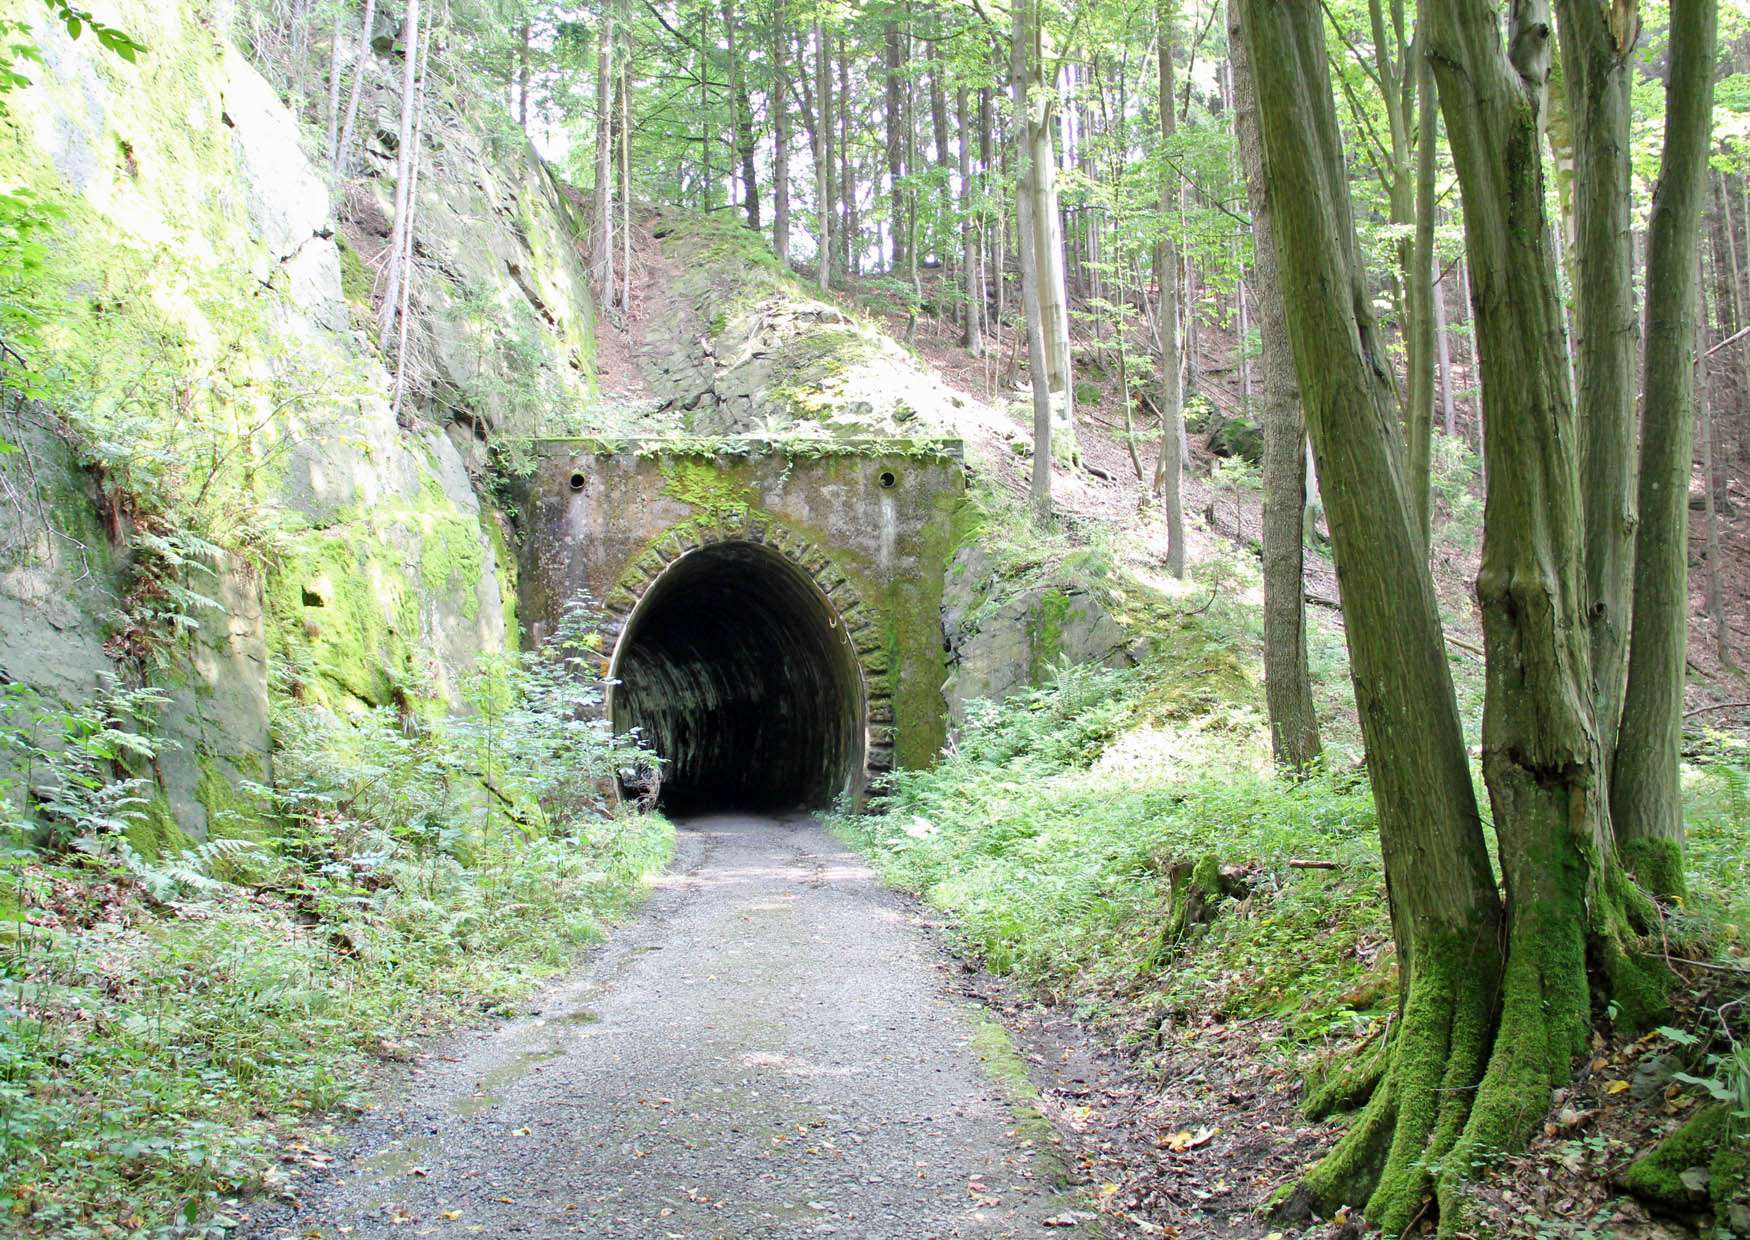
737	669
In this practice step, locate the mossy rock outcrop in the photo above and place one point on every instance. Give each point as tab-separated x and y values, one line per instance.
1005	636
748	349
503	324
1699	1172
195	233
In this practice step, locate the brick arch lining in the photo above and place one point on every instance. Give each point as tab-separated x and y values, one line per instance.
624	605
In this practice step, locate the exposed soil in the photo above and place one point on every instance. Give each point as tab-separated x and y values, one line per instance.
1184	1139
772	1048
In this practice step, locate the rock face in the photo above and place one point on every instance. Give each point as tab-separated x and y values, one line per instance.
505	331
196	242
751	351
1002	638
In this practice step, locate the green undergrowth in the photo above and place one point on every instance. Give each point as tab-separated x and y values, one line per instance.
1052	831
170	1010
151	1056
1049	834
1716	807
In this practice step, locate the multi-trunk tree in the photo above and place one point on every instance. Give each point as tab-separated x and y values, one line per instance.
1497	992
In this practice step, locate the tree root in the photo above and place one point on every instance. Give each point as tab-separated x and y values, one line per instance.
1545	1023
1350	1082
1389	1157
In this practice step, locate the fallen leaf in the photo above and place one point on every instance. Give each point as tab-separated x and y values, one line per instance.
1616	1087
1185	1139
450	1216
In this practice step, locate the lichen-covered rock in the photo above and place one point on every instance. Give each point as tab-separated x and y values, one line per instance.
1002	638
747	349
503	326
194	234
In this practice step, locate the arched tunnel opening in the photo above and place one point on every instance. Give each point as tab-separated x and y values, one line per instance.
737	670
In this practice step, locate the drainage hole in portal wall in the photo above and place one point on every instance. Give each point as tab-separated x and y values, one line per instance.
887	478
577	482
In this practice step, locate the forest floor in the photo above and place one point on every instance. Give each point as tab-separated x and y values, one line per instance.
773	1047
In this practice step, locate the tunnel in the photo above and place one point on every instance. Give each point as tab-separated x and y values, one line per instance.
737	670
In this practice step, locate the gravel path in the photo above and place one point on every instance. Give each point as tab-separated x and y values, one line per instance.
768	1049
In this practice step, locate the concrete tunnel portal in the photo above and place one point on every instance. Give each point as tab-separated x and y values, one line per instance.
739	672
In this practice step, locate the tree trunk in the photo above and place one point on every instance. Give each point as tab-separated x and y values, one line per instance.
1445	913
945	163
602	225
851	233
1442	351
1740	289
1728	320
912	160
331	114
990	251
823	200
404	157
1468	348
1597	43
778	104
972	323
625	145
1419	416
939	100
402	316
895	144
1568	901
1397	81
1646	801
1169	355
741	123
522	77
1294	724
1716	598
706	138
341	152
1053	278
1023	70
1242	349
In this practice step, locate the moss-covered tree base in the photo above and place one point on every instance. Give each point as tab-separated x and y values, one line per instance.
1350	1082
1700	1172
1387	1160
1656	864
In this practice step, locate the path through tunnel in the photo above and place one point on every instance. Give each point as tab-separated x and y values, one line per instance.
736	668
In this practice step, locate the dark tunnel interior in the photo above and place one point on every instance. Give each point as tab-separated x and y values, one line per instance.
736	670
